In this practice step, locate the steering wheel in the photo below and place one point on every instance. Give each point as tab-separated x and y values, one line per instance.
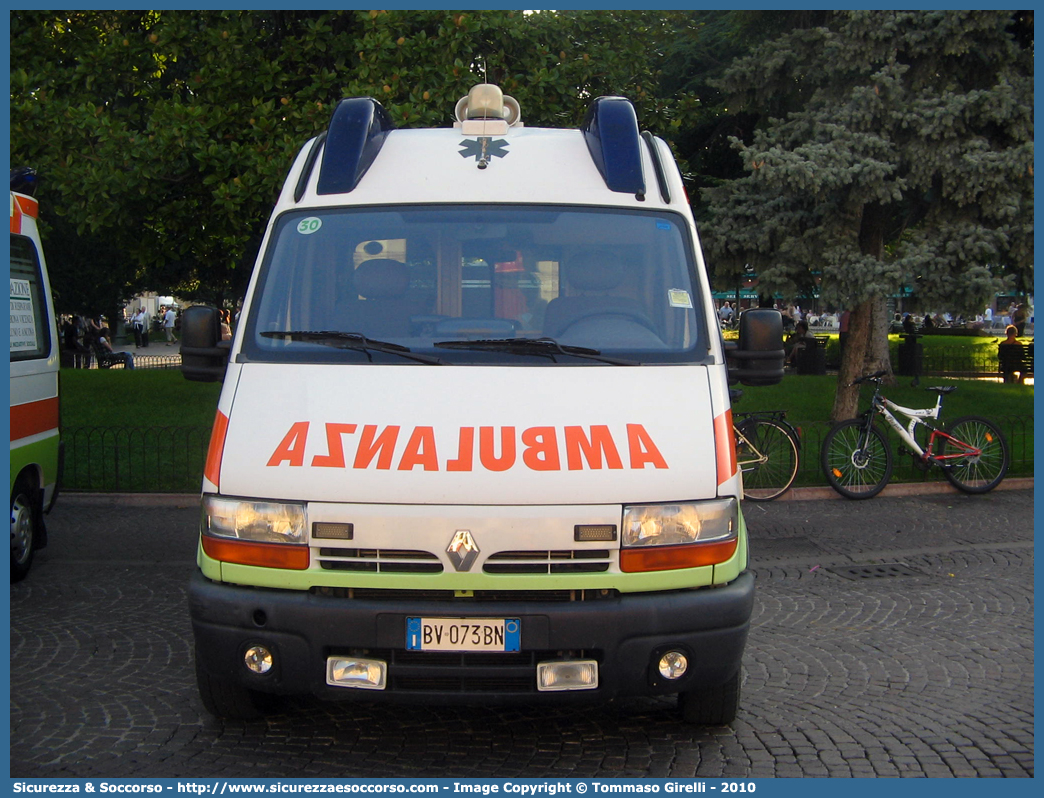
632	316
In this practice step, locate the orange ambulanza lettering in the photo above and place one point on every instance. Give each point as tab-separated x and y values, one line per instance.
643	450
335	448
292	447
507	448
420	451
541	452
465	451
591	449
383	447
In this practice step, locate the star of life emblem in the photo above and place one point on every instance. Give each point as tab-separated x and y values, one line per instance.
483	149
462	550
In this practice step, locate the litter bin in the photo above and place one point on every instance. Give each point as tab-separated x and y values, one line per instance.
911	356
812	359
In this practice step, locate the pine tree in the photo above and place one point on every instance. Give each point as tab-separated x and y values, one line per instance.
900	153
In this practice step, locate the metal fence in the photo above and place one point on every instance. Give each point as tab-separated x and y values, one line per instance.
170	459
959	360
86	360
134	459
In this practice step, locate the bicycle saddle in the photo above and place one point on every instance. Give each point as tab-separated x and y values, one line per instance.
942	390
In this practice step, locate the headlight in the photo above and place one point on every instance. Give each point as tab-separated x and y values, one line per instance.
663	537
260	522
674	524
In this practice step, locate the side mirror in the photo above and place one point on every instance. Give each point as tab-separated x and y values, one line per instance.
759	356
204	355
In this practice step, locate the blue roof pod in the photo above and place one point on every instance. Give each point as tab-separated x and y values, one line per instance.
357	131
611	132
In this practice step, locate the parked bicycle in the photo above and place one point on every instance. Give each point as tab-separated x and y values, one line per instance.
857	458
766	453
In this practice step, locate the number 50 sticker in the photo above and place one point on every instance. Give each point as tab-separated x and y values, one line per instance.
308	226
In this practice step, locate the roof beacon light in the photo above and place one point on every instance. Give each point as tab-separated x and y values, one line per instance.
486	110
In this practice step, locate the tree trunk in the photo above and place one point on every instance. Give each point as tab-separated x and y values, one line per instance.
866	350
877	356
853	358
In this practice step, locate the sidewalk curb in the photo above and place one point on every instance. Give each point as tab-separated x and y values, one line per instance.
184	500
901	489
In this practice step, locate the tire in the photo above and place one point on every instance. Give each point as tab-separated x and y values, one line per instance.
854	472
716	706
225	698
979	473
26	518
766	481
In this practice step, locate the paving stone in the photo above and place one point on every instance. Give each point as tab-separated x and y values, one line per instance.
926	672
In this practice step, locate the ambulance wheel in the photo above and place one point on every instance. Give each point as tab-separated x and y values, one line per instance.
25	525
715	706
225	698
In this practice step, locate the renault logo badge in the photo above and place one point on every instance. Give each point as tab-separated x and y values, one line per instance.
462	550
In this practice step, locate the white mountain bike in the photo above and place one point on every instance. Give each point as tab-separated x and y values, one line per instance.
857	458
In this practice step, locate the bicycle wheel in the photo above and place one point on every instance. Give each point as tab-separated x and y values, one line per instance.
975	473
857	466
771	477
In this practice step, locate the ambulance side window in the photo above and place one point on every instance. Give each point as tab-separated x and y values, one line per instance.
30	327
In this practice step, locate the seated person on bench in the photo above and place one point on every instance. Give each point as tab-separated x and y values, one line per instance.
1011	353
111	355
799	341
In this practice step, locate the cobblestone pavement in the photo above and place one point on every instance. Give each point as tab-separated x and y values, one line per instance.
920	666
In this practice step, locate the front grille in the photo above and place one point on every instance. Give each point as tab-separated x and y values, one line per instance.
548	562
386	594
389	561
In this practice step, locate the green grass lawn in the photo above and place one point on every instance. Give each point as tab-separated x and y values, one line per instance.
808	399
140	430
141	397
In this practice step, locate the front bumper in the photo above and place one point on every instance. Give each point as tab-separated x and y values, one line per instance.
625	633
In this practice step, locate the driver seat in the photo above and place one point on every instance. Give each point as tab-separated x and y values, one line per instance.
384	309
592	276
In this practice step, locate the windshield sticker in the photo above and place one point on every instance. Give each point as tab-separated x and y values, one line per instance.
310	225
679	298
662	225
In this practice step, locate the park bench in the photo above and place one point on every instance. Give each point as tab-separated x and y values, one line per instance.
106	360
1012	358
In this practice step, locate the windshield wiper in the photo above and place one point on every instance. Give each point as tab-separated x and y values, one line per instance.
355	341
547	347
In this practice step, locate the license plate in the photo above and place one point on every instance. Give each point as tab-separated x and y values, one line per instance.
463	634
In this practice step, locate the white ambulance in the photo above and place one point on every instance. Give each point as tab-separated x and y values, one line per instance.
36	450
474	442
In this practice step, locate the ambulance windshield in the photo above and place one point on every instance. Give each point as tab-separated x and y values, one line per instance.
432	279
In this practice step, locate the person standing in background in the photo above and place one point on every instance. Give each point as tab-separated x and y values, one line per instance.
168	326
137	326
1019	318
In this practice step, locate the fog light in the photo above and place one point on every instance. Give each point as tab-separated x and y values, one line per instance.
673	665
361	674
579	674
258	659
